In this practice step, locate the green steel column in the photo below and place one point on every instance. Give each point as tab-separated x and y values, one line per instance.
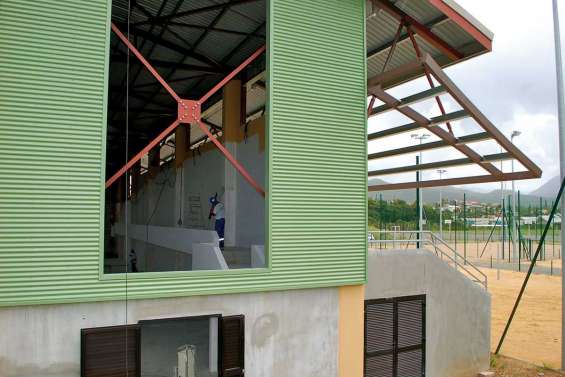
455	223
381	218
476	240
553	236
519	229
510	221
542	257
503	225
464	228
536	215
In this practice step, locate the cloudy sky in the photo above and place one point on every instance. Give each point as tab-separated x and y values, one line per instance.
514	86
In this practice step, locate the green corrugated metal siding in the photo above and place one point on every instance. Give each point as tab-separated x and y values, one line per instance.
52	75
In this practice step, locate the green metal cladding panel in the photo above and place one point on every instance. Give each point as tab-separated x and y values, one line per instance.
53	69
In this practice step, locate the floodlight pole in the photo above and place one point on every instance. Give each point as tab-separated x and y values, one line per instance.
561	115
421	137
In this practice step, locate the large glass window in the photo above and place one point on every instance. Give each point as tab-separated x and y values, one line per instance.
180	347
186	148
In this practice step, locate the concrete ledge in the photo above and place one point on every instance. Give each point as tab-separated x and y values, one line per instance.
258	256
208	256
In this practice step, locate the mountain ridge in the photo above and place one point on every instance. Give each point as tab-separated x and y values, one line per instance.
431	195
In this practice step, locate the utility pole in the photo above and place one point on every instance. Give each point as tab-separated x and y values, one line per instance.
421	137
514	231
561	114
441	172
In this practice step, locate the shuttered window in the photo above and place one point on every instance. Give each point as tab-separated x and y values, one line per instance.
395	337
110	352
233	346
116	351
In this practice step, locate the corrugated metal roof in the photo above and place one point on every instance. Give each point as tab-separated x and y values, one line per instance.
175	45
382	28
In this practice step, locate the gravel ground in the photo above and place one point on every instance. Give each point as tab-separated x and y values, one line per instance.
508	367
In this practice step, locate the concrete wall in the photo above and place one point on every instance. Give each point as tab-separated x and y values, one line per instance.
251	206
203	176
457	310
157	202
288	333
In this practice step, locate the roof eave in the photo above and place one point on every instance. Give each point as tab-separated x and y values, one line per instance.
466	21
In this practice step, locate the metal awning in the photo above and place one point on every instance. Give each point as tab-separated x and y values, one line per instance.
442	28
410	39
447	137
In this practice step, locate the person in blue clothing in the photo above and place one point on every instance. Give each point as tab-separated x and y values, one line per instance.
218	212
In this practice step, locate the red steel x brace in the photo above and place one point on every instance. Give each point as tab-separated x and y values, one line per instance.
189	111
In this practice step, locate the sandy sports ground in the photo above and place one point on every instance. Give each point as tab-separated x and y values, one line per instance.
535	334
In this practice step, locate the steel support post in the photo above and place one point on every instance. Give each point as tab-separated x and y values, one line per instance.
464	228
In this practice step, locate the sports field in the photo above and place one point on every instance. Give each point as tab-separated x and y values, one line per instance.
535	334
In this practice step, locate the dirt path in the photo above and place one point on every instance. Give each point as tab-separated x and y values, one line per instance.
508	367
535	334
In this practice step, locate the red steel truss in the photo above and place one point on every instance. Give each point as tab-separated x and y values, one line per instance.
427	64
189	111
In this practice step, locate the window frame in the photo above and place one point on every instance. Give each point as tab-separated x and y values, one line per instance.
139	326
103	276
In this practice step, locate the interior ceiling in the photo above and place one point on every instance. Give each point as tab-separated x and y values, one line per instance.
193	44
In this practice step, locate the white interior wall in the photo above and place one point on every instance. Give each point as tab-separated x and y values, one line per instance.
157	203
203	176
250	219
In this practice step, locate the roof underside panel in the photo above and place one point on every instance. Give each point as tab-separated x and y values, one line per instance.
382	26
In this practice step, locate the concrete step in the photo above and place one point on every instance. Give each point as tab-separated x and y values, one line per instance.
237	257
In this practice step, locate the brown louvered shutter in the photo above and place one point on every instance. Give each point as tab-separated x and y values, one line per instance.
379	338
110	352
233	346
395	337
411	336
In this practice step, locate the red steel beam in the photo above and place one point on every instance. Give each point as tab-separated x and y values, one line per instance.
192	113
144	61
424	122
232	159
428	76
454	181
393	46
233	73
421	29
166	132
478	116
383	79
456	17
370	107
